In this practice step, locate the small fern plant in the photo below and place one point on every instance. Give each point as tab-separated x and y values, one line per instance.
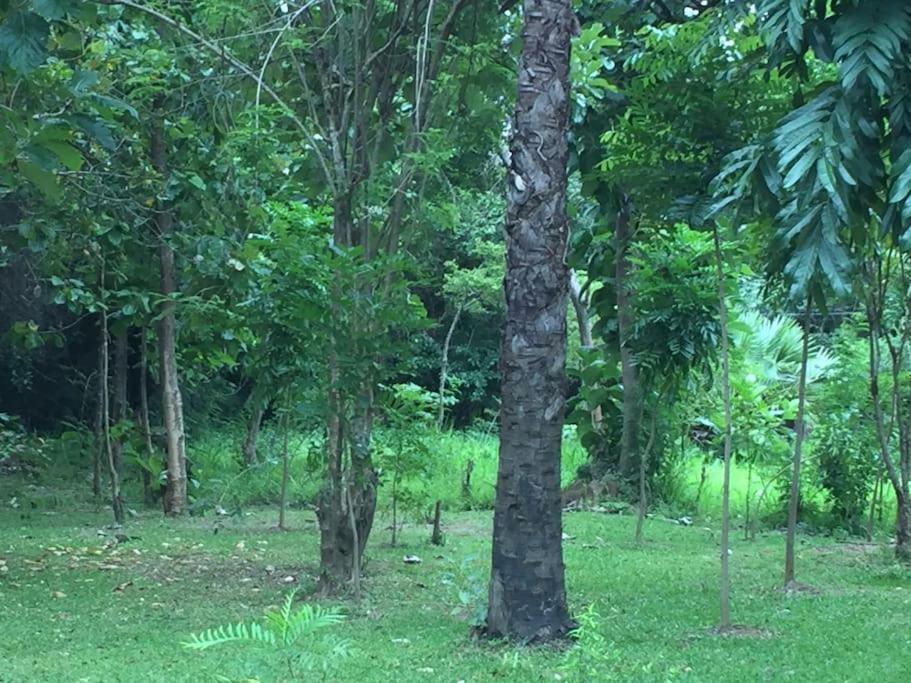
287	632
592	657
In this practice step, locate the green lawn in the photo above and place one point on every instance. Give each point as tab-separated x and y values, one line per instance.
71	610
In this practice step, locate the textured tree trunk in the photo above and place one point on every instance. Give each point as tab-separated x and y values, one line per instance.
444	365
527	598
252	436
121	349
801	428
175	495
347	502
629	439
145	424
725	579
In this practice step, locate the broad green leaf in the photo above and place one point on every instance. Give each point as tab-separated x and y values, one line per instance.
69	156
23	41
43	179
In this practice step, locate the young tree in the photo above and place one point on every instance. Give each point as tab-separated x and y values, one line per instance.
527	596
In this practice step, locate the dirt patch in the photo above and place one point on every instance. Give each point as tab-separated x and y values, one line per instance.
852	549
797	588
732	631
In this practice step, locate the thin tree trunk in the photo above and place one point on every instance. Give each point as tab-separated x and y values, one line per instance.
629	439
116	502
585	334
527	597
643	473
98	453
252	436
144	422
436	538
121	349
875	296
356	559
286	469
877	490
794	501
395	521
746	523
444	365
175	495
725	583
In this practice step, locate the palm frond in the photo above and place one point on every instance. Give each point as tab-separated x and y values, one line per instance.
231	633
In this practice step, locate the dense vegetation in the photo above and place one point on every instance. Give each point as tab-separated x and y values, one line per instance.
343	269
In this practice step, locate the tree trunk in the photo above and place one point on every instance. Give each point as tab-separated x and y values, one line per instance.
252	436
527	598
746	521
877	491
725	582
286	470
99	451
116	502
144	422
643	475
395	519
585	334
629	439
175	495
436	538
121	368
794	501
444	364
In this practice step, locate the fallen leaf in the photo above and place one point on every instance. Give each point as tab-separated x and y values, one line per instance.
411	559
58	594
123	586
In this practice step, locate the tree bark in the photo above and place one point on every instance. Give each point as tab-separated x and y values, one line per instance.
527	596
801	428
119	414
252	436
116	502
725	577
444	364
286	469
175	495
643	474
629	440
898	476
144	422
436	538
585	334
100	432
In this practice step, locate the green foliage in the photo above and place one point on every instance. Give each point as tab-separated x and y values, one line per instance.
592	656
287	631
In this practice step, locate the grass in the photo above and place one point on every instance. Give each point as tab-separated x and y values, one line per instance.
75	610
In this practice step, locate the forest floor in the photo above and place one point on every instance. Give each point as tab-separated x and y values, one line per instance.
76	605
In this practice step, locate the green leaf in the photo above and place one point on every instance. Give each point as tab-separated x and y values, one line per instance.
44	180
69	156
83	81
196	181
23	41
51	9
95	129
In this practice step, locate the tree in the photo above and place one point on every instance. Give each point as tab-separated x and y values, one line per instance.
527	597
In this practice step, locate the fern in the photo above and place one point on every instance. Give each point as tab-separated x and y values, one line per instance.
283	627
231	633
